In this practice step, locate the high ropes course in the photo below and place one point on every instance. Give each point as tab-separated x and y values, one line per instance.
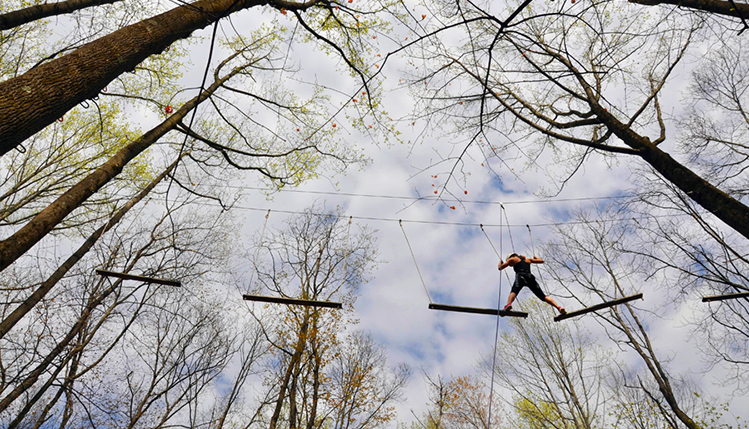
455	308
507	312
301	301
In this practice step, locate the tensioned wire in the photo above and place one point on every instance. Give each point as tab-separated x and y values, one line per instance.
257	252
434	222
496	328
423	283
346	253
425	198
499	304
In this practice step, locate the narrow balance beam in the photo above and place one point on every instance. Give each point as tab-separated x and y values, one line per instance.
124	276
473	310
597	307
292	301
724	297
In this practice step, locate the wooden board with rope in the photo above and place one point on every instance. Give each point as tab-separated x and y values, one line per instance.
292	301
474	310
597	307
725	297
144	279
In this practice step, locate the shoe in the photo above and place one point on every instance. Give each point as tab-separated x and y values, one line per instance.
507	308
562	311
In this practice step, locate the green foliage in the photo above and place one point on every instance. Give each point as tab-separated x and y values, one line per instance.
714	416
63	154
20	47
539	415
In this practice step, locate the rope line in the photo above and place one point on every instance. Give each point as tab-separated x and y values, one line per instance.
433	222
496	328
257	253
345	255
425	198
533	249
512	242
416	264
499	254
490	241
616	261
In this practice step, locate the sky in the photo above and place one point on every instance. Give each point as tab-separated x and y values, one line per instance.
456	260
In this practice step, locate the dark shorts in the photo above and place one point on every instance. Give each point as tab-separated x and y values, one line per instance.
527	279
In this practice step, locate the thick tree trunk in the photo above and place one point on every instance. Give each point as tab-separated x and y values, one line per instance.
39	294
30	102
17	244
715	6
726	208
32	13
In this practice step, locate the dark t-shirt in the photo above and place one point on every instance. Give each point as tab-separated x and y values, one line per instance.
522	267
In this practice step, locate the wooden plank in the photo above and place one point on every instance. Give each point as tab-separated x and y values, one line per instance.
143	279
724	297
597	307
292	301
474	310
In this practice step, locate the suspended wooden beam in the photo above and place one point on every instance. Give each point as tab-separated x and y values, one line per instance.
724	297
292	301
597	307
143	279
474	310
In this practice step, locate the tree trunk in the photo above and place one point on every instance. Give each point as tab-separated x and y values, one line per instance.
293	361
16	245
30	102
723	206
33	13
715	6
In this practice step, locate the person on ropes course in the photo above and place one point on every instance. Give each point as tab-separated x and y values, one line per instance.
523	277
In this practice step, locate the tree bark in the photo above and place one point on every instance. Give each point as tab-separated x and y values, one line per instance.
723	206
17	244
715	6
30	102
33	13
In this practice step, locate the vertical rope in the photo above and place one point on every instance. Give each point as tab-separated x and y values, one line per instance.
496	328
499	256
345	255
533	248
509	231
257	253
400	222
